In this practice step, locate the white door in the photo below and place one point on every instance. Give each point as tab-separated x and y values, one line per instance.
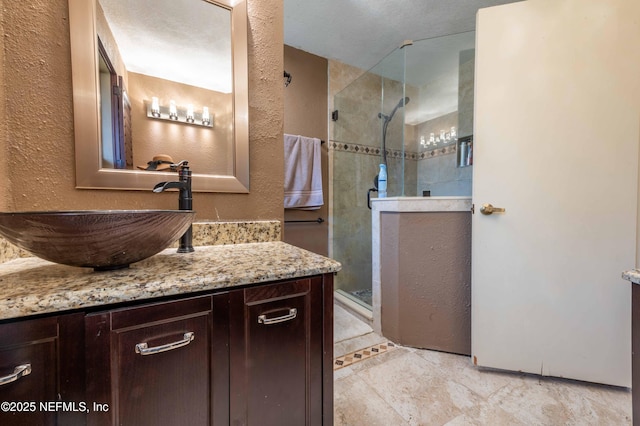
557	128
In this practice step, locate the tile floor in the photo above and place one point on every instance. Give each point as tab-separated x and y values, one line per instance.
407	386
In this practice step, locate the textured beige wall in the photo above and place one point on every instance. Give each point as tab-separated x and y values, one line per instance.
305	113
206	148
426	276
37	137
3	122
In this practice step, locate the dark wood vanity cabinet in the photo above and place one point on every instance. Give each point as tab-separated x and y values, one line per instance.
257	355
42	368
277	341
151	364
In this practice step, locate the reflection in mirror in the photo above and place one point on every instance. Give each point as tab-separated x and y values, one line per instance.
189	57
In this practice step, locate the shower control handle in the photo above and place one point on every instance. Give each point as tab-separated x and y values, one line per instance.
369	195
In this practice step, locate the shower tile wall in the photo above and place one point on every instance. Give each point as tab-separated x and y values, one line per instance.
440	175
355	156
436	168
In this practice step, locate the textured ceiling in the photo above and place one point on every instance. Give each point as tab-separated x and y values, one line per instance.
367	33
362	32
188	41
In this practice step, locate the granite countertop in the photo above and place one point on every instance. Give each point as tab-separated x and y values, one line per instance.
30	286
632	275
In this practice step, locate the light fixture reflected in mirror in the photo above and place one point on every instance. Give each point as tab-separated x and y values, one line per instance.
178	114
190	117
155	107
444	138
173	110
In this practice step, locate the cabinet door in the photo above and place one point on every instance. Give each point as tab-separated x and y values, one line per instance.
34	381
30	347
276	354
159	364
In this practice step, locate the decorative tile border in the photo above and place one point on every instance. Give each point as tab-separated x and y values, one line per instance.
393	153
436	152
362	354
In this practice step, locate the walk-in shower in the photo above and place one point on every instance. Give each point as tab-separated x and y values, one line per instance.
411	112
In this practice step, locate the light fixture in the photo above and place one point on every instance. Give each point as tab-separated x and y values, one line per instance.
190	117
155	107
444	137
173	111
179	114
206	119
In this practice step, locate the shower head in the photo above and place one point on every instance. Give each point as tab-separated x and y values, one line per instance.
401	103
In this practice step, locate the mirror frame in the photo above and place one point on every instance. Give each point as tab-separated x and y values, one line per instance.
86	109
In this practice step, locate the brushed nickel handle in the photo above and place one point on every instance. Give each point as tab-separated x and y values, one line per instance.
262	319
18	372
143	349
489	209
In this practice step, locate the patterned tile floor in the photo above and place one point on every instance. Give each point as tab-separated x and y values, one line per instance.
407	386
362	354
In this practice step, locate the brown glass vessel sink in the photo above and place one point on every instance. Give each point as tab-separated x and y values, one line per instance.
99	239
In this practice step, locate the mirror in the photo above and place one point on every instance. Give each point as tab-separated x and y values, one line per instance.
117	128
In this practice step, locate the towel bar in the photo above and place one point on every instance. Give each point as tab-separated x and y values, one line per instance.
318	220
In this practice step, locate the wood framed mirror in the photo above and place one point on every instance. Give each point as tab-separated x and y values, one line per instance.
116	135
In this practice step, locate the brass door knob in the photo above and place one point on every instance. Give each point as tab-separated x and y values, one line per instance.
489	209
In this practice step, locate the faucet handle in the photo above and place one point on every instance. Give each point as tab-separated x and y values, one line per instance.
180	165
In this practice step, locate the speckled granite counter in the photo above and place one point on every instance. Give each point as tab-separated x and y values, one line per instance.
30	286
632	275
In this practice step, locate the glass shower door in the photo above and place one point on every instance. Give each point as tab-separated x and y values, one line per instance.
370	124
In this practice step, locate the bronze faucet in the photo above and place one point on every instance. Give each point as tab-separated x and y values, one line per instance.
185	200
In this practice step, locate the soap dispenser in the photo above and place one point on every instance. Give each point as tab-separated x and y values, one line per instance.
382	181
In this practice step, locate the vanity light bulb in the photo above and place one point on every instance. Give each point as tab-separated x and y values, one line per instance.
454	135
190	116
432	139
155	107
422	141
206	119
442	135
173	111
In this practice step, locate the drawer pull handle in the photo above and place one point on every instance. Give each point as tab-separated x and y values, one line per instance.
262	319
19	371
143	349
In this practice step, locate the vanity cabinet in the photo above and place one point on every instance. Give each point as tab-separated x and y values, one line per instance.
257	354
152	364
277	354
41	366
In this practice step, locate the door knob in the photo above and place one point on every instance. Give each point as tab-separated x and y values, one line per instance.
489	209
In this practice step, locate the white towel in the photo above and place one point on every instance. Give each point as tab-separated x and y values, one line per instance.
302	173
